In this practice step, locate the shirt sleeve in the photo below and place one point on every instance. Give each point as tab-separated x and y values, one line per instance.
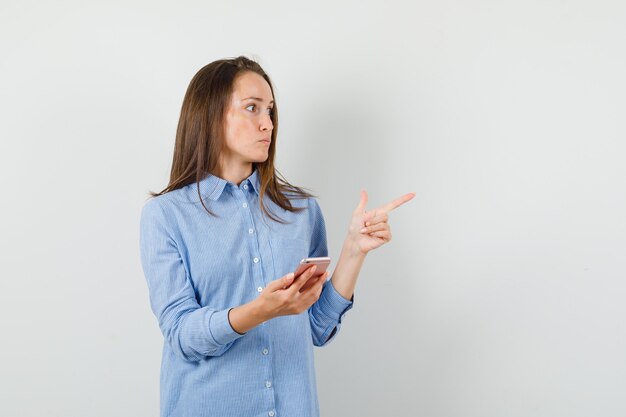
326	314
193	332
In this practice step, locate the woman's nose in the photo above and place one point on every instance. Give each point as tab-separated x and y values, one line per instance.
266	123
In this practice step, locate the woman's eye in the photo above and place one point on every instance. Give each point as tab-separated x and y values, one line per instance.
270	110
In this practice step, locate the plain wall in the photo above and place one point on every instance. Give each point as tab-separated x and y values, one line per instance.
502	291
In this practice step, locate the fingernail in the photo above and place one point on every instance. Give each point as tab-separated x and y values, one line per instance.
367	223
363	230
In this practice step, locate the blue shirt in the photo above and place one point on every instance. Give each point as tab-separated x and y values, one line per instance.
198	267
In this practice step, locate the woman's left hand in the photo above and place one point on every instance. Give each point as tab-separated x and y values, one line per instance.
369	228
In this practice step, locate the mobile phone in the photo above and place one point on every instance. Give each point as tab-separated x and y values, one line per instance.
321	262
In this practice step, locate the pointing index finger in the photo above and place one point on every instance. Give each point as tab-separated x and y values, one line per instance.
397	202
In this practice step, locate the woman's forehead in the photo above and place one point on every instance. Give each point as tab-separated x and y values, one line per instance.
251	86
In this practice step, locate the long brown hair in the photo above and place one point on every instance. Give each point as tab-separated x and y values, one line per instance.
199	136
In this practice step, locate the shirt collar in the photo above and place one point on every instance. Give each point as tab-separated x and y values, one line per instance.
213	186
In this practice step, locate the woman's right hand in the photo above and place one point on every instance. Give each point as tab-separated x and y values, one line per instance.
288	295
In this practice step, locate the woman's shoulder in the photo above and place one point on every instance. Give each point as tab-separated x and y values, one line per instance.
163	204
297	196
172	198
310	206
297	200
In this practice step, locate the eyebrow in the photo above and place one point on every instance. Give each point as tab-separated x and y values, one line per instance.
257	99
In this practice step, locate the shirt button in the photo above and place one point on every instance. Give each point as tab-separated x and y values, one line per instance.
266	351
250	231
271	413
260	289
245	205
268	384
245	186
256	260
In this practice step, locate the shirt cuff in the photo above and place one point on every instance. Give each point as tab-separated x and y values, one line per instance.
332	304
220	329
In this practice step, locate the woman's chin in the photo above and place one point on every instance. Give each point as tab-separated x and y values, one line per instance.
261	158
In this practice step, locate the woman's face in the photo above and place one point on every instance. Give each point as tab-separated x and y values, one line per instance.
248	126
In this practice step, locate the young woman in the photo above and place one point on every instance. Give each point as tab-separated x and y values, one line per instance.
219	246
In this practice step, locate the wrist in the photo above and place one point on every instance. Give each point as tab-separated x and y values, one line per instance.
351	249
246	316
258	310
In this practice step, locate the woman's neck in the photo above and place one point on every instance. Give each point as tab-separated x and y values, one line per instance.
235	174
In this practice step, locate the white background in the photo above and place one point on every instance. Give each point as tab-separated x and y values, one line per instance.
502	291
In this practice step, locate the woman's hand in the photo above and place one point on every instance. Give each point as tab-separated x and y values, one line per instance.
369	228
281	297
289	295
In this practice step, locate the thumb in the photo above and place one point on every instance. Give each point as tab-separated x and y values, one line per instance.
363	202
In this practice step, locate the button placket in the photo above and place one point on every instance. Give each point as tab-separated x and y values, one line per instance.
257	255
